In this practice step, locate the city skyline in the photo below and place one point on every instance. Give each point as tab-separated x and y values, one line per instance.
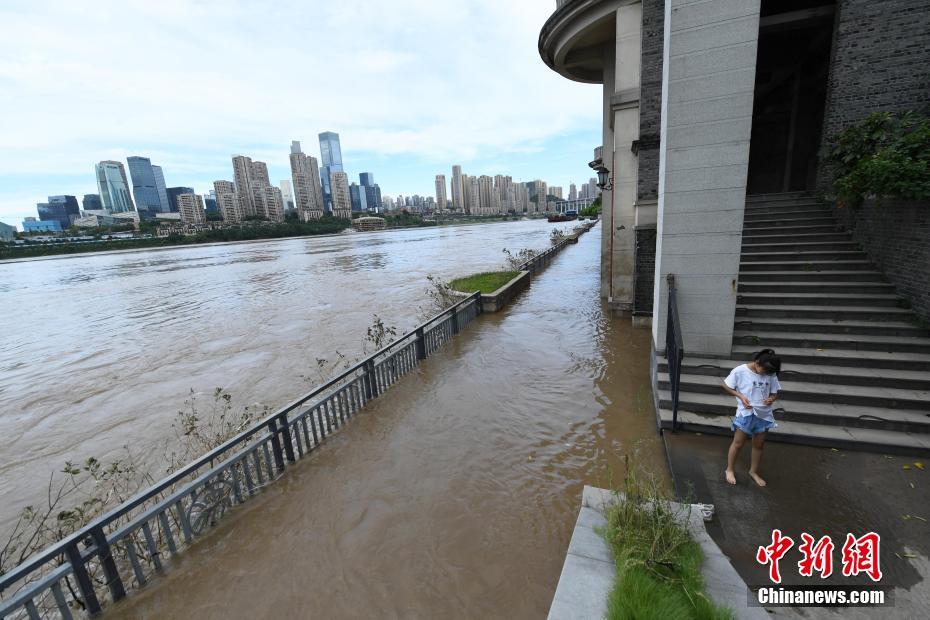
472	117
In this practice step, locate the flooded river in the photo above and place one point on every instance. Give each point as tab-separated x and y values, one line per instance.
101	351
454	494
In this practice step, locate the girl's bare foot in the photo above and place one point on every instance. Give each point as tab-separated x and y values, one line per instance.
731	477
757	478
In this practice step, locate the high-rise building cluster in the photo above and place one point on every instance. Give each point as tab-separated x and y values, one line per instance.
485	195
312	192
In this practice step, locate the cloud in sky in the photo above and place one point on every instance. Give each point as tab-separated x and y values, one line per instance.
412	87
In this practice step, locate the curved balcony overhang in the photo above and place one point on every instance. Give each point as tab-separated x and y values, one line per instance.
572	40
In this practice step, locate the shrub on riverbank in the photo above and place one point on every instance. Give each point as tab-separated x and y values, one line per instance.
487	282
658	562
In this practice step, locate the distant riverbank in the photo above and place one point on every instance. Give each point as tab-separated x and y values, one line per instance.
125	247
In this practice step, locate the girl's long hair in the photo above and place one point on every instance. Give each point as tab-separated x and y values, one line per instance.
770	362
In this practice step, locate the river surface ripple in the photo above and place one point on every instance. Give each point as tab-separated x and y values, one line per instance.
100	351
454	494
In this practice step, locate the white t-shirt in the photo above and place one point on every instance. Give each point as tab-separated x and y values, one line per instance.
756	387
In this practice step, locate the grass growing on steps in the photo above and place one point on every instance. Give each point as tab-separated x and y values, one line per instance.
487	282
658	562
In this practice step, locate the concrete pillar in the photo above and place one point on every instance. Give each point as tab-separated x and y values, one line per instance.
621	129
707	97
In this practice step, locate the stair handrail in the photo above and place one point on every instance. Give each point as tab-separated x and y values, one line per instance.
674	348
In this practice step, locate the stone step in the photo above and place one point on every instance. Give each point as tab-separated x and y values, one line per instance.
837	275
804	433
812	220
852	342
801	248
806	265
830	326
776	213
819	299
808	255
759	201
832	237
786	213
812	373
831	227
878	397
840	357
839	313
814	286
900	420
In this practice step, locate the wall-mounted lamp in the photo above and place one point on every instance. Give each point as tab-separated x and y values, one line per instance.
603	174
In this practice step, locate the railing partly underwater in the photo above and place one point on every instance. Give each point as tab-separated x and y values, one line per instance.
124	548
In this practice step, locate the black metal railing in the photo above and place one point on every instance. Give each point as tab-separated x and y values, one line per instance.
674	349
123	548
540	260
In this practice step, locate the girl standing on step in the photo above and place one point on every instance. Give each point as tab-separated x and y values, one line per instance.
755	386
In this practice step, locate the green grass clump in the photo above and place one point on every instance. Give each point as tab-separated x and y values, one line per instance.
658	562
485	282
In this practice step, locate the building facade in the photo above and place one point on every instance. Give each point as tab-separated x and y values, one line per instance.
331	159
707	102
173	194
64	209
342	202
458	189
190	206
227	201
441	192
145	185
113	187
308	191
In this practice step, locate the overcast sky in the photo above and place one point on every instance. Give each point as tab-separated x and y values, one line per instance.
411	86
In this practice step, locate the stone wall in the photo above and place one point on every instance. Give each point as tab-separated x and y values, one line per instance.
650	99
896	236
880	62
645	270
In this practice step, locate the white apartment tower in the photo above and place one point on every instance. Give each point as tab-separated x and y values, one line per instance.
227	201
441	192
342	201
190	207
458	189
308	193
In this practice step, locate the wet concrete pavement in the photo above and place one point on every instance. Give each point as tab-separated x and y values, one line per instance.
452	496
822	492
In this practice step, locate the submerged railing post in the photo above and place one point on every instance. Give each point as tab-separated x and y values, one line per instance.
455	320
86	587
371	387
114	583
420	344
276	444
286	436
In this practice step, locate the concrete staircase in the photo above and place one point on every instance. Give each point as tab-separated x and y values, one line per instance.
856	364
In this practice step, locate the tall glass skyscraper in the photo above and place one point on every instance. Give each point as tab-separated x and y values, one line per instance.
145	185
331	153
113	186
162	188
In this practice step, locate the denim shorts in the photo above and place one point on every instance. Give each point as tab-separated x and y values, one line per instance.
751	424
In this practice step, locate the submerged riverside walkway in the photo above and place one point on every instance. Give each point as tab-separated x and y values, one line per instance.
455	494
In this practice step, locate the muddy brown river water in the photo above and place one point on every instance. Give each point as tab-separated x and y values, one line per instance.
451	496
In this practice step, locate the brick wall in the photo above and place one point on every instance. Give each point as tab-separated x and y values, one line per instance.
880	62
650	98
645	253
896	236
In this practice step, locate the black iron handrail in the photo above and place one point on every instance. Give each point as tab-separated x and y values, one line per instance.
674	348
276	435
